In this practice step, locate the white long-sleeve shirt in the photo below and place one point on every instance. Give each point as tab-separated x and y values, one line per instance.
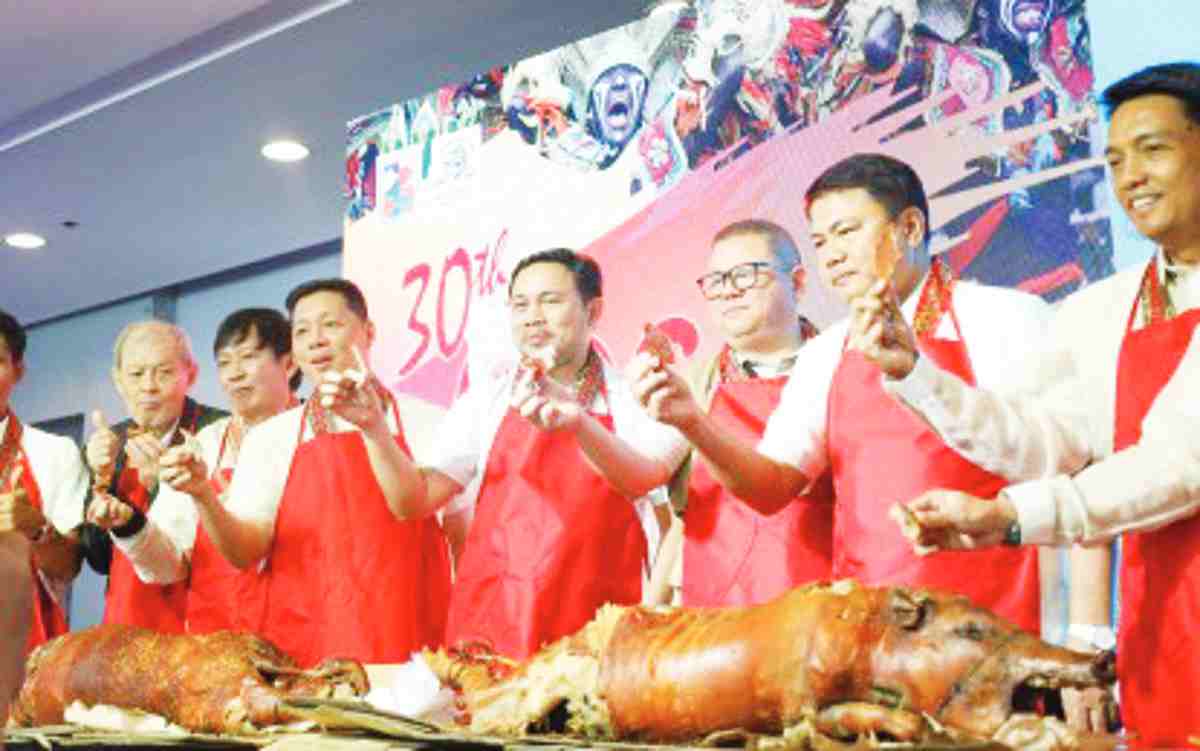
1000	327
1070	424
161	549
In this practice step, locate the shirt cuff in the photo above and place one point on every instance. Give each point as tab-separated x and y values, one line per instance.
1036	513
129	543
918	389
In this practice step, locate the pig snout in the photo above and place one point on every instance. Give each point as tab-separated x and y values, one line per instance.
1048	666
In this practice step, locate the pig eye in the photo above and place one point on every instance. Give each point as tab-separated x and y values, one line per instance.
972	631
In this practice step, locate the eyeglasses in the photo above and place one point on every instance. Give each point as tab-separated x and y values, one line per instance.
742	277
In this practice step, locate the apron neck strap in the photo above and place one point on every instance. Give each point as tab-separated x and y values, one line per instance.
10	450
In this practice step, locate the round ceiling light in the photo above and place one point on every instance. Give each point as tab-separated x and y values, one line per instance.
25	240
285	151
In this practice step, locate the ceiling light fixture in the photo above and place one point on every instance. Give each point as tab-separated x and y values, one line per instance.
285	151
25	240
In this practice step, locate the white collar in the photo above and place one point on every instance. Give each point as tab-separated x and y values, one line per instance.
1176	270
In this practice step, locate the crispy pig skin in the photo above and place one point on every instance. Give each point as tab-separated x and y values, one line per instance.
223	682
849	660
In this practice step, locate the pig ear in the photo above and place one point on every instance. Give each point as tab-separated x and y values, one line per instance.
908	612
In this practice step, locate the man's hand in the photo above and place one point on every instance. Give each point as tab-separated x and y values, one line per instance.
350	394
108	512
143	452
184	469
17	514
952	520
102	449
879	331
661	391
545	403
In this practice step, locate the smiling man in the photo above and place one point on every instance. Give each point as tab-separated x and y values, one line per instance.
552	455
314	495
731	553
153	369
253	350
868	217
1119	393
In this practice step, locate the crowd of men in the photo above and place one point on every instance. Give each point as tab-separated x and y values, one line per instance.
995	422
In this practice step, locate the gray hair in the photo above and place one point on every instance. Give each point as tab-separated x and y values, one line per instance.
182	341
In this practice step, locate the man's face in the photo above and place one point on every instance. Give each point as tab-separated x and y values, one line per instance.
153	379
254	377
763	312
325	333
617	99
10	372
1154	155
549	313
1025	19
854	237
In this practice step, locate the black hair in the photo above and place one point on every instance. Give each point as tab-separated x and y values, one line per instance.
272	328
889	181
344	287
583	267
783	246
14	336
1179	80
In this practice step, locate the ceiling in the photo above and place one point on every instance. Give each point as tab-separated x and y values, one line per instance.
142	122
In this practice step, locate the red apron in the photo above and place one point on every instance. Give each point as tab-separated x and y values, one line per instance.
49	620
881	454
345	577
732	554
217	590
1158	656
550	543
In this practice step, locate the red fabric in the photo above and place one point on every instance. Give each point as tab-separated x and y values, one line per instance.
49	620
1158	656
732	554
344	577
131	601
550	543
218	592
881	454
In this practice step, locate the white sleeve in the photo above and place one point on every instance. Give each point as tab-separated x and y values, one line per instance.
457	446
63	482
1029	418
1147	485
796	431
645	435
263	465
157	558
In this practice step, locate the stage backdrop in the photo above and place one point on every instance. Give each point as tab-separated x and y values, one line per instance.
637	145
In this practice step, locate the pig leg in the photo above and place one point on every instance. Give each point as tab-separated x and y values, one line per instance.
860	718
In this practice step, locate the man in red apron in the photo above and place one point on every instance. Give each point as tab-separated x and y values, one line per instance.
313	501
253	351
1129	358
731	553
868	217
42	486
153	369
552	455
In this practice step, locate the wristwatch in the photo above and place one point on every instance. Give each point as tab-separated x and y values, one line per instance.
1012	533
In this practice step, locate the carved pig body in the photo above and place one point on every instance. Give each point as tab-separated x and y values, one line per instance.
846	659
223	682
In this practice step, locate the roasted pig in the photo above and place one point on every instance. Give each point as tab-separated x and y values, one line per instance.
223	682
842	661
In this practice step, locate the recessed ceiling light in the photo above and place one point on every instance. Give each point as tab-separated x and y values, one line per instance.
285	151
25	240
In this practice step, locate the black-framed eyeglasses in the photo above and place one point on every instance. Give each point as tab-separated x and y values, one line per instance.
742	277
